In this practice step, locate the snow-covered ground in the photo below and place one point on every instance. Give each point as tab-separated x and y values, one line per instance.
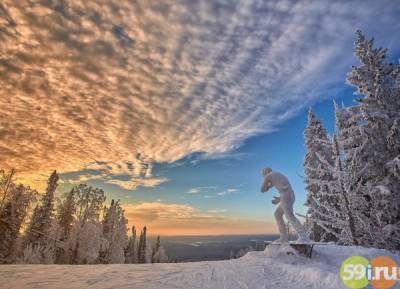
272	268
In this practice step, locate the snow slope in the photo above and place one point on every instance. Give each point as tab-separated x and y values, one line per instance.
271	269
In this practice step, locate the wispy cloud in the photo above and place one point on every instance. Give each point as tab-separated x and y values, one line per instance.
123	84
227	192
217	211
84	178
121	174
193	191
198	190
133	184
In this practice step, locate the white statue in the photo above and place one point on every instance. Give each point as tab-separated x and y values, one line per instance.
285	205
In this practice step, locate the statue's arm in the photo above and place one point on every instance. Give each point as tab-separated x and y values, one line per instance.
276	200
266	185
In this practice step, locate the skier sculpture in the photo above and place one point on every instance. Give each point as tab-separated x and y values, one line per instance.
285	204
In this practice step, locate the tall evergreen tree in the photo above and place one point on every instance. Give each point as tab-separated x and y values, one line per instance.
348	232
318	178
115	235
66	212
65	218
131	249
379	113
41	220
155	258
158	253
142	247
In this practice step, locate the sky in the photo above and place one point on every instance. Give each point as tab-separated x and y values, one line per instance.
173	107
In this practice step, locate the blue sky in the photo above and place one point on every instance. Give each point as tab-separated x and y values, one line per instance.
174	107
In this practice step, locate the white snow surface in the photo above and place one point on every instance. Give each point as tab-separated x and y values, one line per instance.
271	269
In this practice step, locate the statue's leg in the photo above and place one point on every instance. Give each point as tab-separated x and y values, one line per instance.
281	225
288	212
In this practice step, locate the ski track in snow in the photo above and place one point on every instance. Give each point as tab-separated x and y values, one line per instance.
271	269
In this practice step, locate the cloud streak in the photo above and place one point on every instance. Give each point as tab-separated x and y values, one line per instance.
227	192
119	85
198	190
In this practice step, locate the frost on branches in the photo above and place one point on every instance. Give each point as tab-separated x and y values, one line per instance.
318	176
36	238
363	163
77	229
115	236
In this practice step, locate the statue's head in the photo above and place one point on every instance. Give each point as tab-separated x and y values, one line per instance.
266	171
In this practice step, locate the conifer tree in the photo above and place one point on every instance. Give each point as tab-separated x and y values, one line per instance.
158	253
318	178
65	218
131	249
142	247
41	220
374	184
155	258
115	235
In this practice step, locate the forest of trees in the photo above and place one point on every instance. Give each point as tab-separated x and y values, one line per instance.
353	176
76	229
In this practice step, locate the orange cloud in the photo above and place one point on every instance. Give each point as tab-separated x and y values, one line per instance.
119	85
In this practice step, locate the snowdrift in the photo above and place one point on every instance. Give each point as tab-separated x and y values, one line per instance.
272	269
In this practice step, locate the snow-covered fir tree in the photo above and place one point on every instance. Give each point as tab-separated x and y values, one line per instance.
37	232
365	155
132	248
142	247
319	181
332	210
378	81
66	212
65	217
344	220
158	254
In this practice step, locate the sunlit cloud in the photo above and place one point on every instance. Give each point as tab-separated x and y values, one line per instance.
110	175
84	178
133	184
117	86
